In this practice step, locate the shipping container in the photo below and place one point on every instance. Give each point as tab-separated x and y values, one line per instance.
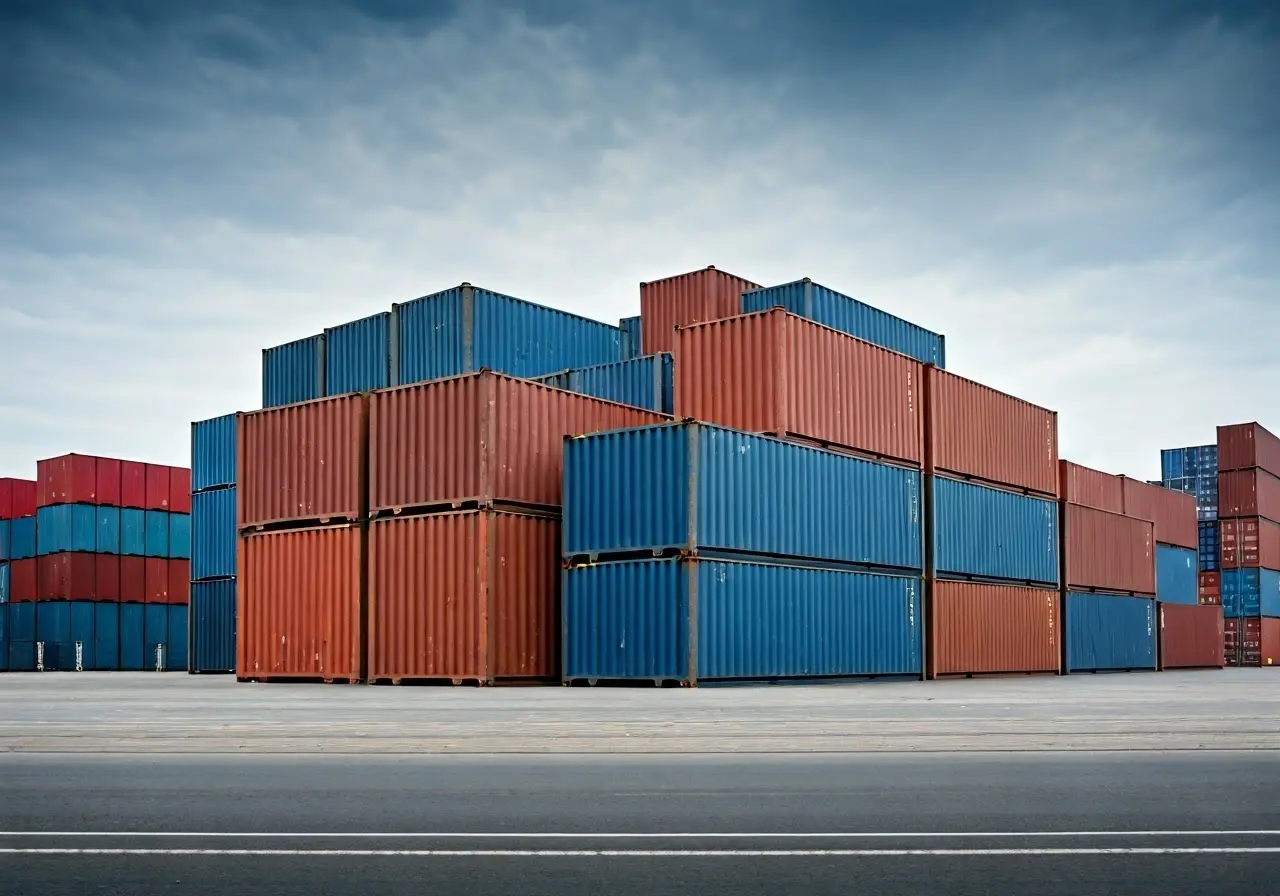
1105	551
4	540
1210	590
158	487
68	576
978	628
106	577
106	637
107	476
17	498
107	530
1177	575
980	532
4	637
1249	542
685	299
293	372
157	533
77	653
22	656
480	440
132	641
155	637
1190	637
1203	488
630	343
66	527
213	534
467	329
783	375
698	620
180	536
1242	446
177	656
213	453
1252	641
1250	592
1210	546
133	484
1109	633
23	581
303	463
133	580
1249	493
358	356
22	637
644	382
156	578
68	479
213	626
53	621
179	583
22	537
1180	463
470	596
133	532
300	604
179	490
1173	513
1078	484
4	585
696	487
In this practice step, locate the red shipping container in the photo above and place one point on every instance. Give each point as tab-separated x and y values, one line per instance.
1210	589
686	299
179	490
1249	542
1173	513
472	596
304	462
1249	493
179	591
69	576
23	585
1190	637
1107	551
107	479
1078	484
299	604
156	580
157	487
69	479
133	580
1245	445
982	629
777	373
480	440
17	498
106	577
974	431
133	484
1252	641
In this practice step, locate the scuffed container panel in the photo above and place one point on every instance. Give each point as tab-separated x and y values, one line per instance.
1249	493
685	299
133	484
303	462
1210	550
65	577
156	579
4	540
66	527
1190	637
783	375
107	476
1176	576
213	626
357	355
67	479
630	340
293	372
106	577
213	453
107	530
132	638
644	382
847	314
1249	542
4	588
464	596
1210	591
1107	551
1088	487
159	482
1108	632
22	537
986	533
299	604
106	637
179	490
698	487
180	536
1245	445
133	532
1173	513
213	534
1250	592
17	498
180	582
155	636
157	528
133	580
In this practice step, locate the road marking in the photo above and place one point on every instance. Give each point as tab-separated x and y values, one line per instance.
627	835
648	853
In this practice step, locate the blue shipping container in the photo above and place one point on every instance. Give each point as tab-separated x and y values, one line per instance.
1108	632
644	382
22	621
358	355
106	637
213	626
133	532
1210	546
985	533
107	536
1177	575
4	584
213	534
22	654
66	527
697	487
157	526
155	636
841	312
53	621
754	621
4	540
22	538
631	345
213	453
4	638
464	329
77	654
1179	463
132	640
180	536
293	372
175	659
1250	592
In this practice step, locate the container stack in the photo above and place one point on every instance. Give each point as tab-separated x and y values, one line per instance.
644	382
686	299
213	546
17	568
1194	471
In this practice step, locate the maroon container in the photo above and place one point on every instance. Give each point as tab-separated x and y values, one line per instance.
1249	542
23	581
157	487
107	477
1249	493
106	577
17	498
68	576
1078	484
687	299
133	580
133	484
1105	551
1245	445
982	629
156	578
1190	637
1173	513
69	479
1252	641
179	490
1210	589
179	590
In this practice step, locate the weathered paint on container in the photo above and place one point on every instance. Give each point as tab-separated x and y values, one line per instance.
1109	632
1250	592
179	581
179	490
979	628
23	580
1173	513
213	453
1210	548
159	480
644	382
133	532
464	596
1107	551
699	620
1249	542
479	440
974	431
67	479
66	527
300	604
213	626
685	299
784	375
176	656
156	578
987	533
133	484
133	579
180	536
107	530
293	372
847	314
68	576
630	340
1190	637
1176	576
696	487
1078	484
1210	591
4	585
4	540
1245	445
106	577
303	462
17	498
132	640
213	534
157	529
106	637
22	537
107	478
155	637
358	355
1249	493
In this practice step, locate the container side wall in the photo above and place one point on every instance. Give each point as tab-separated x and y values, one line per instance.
1244	445
980	629
293	372
213	453
213	626
1091	488
630	338
357	355
213	534
1173	513
1249	493
643	382
434	337
686	299
989	533
524	339
1108	632
1107	551
1250	592
1243	542
1176	576
1190	637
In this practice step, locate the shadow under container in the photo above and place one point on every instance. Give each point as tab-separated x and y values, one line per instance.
978	628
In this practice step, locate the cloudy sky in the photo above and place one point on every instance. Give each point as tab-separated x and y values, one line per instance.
1086	202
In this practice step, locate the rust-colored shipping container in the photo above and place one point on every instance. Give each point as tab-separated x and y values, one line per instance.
67	576
67	479
179	490
133	484
1105	551
106	576
107	475
156	573
303	463
470	596
300	604
1172	513
975	432
158	482
1251	641
133	580
179	591
480	440
1210	594
23	580
1249	493
1245	445
1190	637
1078	484
981	629
1249	542
777	373
686	299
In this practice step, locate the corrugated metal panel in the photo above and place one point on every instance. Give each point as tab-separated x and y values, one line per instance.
1198	460
22	580
133	484
1190	637
22	537
780	374
300	604
630	338
179	581
180	536
213	453
4	540
1210	546
213	626
1083	485
644	382
4	586
132	641
156	578
106	637
1249	493
845	313
22	622
984	532
107	531
53	621
457	596
159	480
435	337
303	462
357	355
1247	542
685	299
157	526
66	527
107	475
1173	513
480	439
1108	632
133	532
17	498
1177	576
155	637
176	654
1107	551
293	372
1250	592
692	486
213	534
67	479
106	577
133	579
1245	445
65	577
1210	590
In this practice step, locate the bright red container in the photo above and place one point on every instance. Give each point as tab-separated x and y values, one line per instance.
133	580
69	479
981	629
179	490
1105	551
17	498
179	590
1173	513
1245	445
1249	493
157	487
1249	542
106	577
472	596
304	463
156	580
299	604
687	299
777	373
69	576
107	479
480	440
23	581
1190	637
1078	484
1210	589
133	484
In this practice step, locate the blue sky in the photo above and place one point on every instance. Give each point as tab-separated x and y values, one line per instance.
1083	198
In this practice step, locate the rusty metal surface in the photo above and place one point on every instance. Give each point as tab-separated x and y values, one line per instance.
1190	637
1245	445
1107	551
1172	513
1210	589
1078	484
987	629
1249	542
687	299
1252	492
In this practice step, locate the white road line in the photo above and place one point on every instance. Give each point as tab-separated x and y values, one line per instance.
647	853
627	835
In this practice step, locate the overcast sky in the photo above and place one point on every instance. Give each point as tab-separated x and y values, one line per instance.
1086	203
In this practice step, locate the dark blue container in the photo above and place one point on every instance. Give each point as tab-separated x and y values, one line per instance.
155	636
157	526
83	638
213	534
180	536
133	532
358	355
175	659
841	312
106	636
53	621
293	372
1250	592
107	538
22	621
1108	633
1180	463
631	344
644	382
213	626
22	655
1177	575
22	538
66	527
4	540
697	487
132	638
1210	555
213	453
4	583
4	637
983	533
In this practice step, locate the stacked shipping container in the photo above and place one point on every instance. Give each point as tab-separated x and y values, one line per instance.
213	546
17	567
